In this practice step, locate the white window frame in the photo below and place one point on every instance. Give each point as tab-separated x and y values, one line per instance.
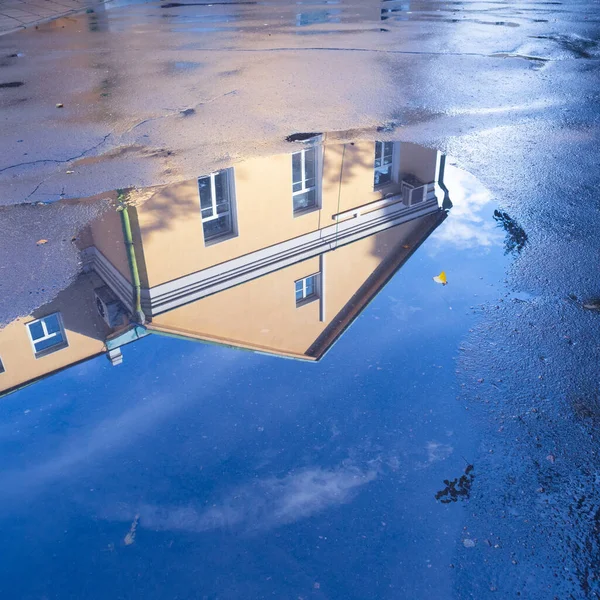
316	289
47	336
318	156
213	196
391	164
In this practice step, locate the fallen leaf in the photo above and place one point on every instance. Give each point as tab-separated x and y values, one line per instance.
441	278
592	306
41	242
406	246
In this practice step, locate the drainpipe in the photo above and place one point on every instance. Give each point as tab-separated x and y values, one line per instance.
138	314
447	203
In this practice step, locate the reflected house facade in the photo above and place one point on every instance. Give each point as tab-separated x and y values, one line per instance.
276	254
330	12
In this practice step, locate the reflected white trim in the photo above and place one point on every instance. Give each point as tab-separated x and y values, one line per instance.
186	289
183	290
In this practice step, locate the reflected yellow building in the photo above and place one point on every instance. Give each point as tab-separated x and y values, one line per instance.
276	254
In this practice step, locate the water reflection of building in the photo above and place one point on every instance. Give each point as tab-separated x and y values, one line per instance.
276	255
321	12
395	9
314	16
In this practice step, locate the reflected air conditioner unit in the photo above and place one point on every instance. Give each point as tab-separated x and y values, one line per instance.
110	307
413	190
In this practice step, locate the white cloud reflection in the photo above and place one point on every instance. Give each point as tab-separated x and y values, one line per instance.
260	505
470	224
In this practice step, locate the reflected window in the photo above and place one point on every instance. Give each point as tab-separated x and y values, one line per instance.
386	13
384	157
304	180
217	205
307	289
47	335
397	10
317	16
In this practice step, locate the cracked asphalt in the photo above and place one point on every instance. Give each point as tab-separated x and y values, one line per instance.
127	91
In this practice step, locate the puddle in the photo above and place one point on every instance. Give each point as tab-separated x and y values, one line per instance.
369	204
330	268
184	65
282	271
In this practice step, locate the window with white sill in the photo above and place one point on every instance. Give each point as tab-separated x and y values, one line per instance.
384	160
304	179
47	334
217	205
307	289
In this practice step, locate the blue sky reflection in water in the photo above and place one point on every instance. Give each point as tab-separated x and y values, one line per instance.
242	475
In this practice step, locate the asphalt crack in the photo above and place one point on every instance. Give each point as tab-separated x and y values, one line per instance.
56	160
186	112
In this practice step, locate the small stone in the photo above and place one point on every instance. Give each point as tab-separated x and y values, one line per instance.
551	458
469	543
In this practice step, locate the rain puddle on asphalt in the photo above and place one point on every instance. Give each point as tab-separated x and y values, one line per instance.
365	263
276	254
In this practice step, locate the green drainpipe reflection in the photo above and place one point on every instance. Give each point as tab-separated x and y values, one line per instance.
138	315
